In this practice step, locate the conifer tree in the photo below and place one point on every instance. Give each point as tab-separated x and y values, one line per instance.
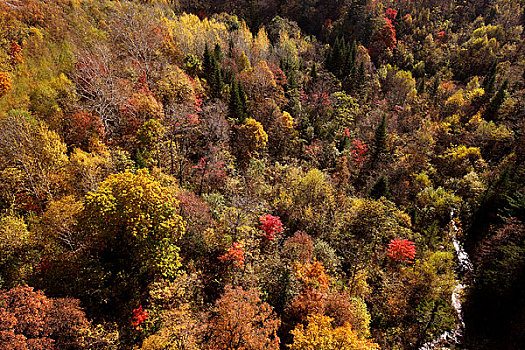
207	63
292	81
381	188
217	52
435	87
422	85
496	101
361	75
490	79
313	71
380	139
243	99
218	82
235	104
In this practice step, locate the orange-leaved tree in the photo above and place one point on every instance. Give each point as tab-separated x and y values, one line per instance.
242	322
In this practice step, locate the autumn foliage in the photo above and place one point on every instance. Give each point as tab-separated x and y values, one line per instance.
242	321
271	225
402	250
320	334
235	254
139	317
5	83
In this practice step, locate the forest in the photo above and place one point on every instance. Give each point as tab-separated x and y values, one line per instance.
262	174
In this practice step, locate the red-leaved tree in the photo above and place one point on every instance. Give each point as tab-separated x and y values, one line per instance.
271	225
402	250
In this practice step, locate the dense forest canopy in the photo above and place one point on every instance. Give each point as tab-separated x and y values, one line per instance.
262	174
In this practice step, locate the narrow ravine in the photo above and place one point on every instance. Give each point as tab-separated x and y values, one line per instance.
464	266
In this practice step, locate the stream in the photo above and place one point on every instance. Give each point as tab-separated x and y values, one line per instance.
464	266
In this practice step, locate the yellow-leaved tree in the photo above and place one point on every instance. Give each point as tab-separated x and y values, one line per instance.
320	334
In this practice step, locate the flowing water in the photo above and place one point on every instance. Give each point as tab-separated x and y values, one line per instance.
464	266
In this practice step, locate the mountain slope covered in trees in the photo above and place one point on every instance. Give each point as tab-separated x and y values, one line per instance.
261	174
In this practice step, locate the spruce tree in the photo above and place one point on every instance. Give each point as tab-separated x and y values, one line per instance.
496	101
237	103
207	63
380	145
422	85
313	71
349	66
381	188
243	99
292	81
361	75
234	104
217	52
435	87
217	82
490	79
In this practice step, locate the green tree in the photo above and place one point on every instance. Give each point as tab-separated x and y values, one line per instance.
381	188
380	145
496	101
236	107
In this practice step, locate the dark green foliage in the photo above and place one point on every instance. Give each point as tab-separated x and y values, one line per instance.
207	64
490	79
496	101
341	59
421	88
313	71
435	86
380	188
380	145
217	52
216	81
236	105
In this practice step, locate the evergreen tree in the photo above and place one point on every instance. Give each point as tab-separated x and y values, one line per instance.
243	99
292	81
490	79
217	82
353	51
435	87
361	75
207	63
217	52
235	104
380	145
313	71
422	85
381	188
496	101
349	67
230	48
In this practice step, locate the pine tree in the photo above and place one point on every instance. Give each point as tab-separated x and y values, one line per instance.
292	81
490	79
496	101
313	71
380	145
349	67
231	45
217	52
361	75
422	85
216	83
435	87
235	104
207	63
381	188
243	99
